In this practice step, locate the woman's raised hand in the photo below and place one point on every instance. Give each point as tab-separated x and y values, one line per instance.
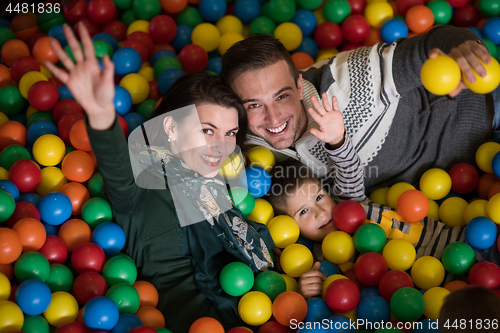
92	88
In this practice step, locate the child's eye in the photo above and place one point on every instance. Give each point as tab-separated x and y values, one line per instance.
318	198
303	211
207	131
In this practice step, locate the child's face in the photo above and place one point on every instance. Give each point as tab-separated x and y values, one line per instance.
312	208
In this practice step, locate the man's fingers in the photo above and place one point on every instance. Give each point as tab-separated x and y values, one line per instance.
58	73
73	44
88	46
318	107
335	104
326	103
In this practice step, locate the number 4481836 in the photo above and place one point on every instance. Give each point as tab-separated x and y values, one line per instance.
34	8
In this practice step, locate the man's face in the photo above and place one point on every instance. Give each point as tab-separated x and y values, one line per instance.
273	103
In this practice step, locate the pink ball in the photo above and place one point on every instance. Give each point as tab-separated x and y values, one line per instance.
26	175
348	216
369	268
43	95
342	295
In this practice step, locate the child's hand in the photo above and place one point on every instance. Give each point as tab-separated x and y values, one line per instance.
330	120
311	282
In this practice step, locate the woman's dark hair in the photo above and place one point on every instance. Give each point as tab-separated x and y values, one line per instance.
199	88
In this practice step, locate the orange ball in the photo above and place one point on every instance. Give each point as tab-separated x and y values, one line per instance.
10	246
75	232
5	77
78	194
42	51
455	285
206	325
8	270
494	189
419	18
12	50
486	181
302	60
150	316
12	133
173	6
373	37
24	26
78	166
32	233
78	136
288	306
147	293
413	205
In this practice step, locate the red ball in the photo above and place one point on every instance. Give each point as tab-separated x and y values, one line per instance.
43	95
54	249
466	16
101	11
357	6
328	35
116	29
65	123
56	82
123	125
352	276
485	182
89	285
92	27
23	209
72	327
144	38
498	242
348	216
154	91
22	66
88	257
350	46
31	42
65	106
457	3
485	273
355	28
404	5
26	175
138	46
193	58
464	178
289	306
75	10
413	205
342	295
369	268
162	29
392	281
273	327
144	329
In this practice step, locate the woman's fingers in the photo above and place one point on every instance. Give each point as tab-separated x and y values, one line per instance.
58	73
73	44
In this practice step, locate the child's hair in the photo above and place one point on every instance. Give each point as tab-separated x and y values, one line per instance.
287	177
468	305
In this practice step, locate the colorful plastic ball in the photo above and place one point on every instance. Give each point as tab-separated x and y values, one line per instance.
244	10
126	322
488	83
370	237
458	257
289	307
26	175
491	30
147	293
22	66
489	8
255	308
485	273
373	309
400	254
206	324
338	247
183	38
122	100
493	208
100	313
342	295
441	10
452	212
12	50
193	58
55	208
419	18
355	28
407	304
262	25
87	286
32	233
289	34
5	287
12	132
435	183
284	230
173	6
464	178
151	316
348	216
296	259
413	205
11	245
88	257
137	86
484	156
167	78
162	29
242	199
52	180
28	80
236	279
377	13
35	324
39	128
317	310
481	233
10	187
33	297
54	249
133	120
75	232
391	281
101	11
427	272
476	208
12	154
49	150
11	317
273	327
369	268
119	269
32	265
95	211
60	278
227	40
393	29
263	212
395	192
434	299
328	35
127	61
110	237
270	283
12	102
212	10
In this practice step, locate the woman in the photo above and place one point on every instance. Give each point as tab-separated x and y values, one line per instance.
183	262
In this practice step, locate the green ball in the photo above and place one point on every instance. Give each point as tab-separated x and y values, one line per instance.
270	283
11	100
407	304
5	35
119	269
60	278
236	278
442	11
7	205
165	63
146	9
128	17
102	48
400	17
48	20
95	185
12	154
125	297
369	237
40	116
163	330
123	4
95	211
491	47
488	8
69	52
242	199
146	108
282	10
189	16
498	52
458	258
262	25
265	9
336	10
35	324
32	265
310	4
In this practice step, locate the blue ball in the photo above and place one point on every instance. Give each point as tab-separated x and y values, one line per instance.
328	268
373	309
4	23
10	187
160	54
100	313
305	20
122	101
213	54
341	324
258	181
491	30
317	310
214	65
393	29
33	297
57	33
481	233
426	326
50	229
126	322
369	291
477	31
110	237
107	38
182	38
127	61
495	164
167	78
55	208
64	93
212	10
134	120
31	197
39	128
308	46
246	10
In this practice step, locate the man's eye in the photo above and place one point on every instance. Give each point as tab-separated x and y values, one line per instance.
253	106
318	198
282	96
303	211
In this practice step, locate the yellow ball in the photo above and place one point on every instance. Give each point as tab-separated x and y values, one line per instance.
255	308
427	272
338	247
435	183
139	25
289	34
30	111
440	75
137	86
11	317
400	254
232	166
227	40
476	208
452	212
296	259
329	280
377	13
284	230
206	35
434	299
147	73
229	23
263	212
246	30
27	80
380	196
4	174
4	287
326	53
62	309
320	16
433	212
493	208
48	74
291	283
49	150
3	118
487	84
262	157
485	154
52	180
395	192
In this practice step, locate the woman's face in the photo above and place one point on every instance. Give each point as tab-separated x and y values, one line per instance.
204	139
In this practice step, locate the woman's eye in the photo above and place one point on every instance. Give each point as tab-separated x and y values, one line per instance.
318	198
303	211
231	133
207	131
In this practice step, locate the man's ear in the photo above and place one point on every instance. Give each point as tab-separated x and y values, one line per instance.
300	85
169	127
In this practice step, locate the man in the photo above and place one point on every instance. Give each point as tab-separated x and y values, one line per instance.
399	130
